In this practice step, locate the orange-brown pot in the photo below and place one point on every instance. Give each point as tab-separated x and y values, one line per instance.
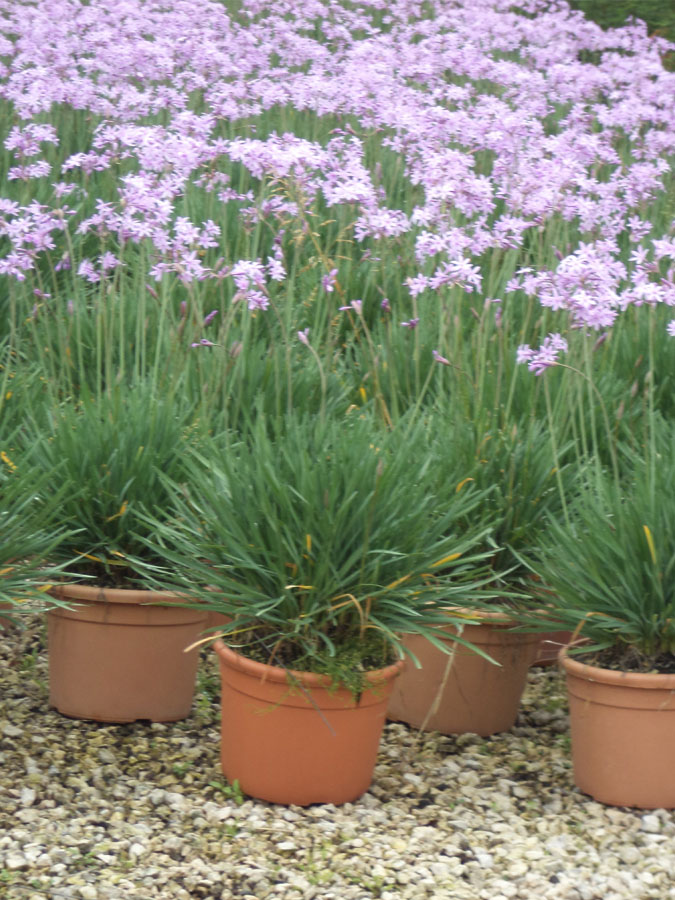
461	692
292	737
117	657
551	643
6	623
623	734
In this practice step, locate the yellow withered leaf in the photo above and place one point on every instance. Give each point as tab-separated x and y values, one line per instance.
650	543
446	559
121	511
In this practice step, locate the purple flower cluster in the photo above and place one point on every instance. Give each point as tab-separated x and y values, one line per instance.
497	125
545	357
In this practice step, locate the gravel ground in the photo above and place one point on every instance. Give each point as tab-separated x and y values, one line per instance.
141	811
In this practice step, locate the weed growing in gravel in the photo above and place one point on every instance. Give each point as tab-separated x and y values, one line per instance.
229	791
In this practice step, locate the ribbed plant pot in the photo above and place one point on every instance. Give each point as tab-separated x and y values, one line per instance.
292	738
623	734
117	656
461	692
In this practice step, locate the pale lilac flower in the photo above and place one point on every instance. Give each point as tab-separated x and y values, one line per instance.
303	336
65	187
670	328
543	358
413	323
275	269
256	300
356	305
417	285
385	305
108	261
328	281
440	359
248	273
203	343
86	270
33	170
210	317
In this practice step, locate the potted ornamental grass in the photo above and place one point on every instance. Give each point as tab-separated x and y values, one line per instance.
610	577
117	653
321	542
26	545
513	470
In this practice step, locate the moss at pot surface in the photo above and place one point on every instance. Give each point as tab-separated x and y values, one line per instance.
356	654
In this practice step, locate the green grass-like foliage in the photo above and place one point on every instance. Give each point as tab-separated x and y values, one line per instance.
612	573
323	536
110	453
26	541
515	470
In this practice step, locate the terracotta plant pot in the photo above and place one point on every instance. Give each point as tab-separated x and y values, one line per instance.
292	738
623	735
6	624
114	658
462	692
551	643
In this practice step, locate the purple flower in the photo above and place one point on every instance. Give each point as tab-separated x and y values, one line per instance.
413	323
385	305
356	305
440	359
543	358
417	285
328	281
257	300
108	261
211	316
203	343
86	270
275	268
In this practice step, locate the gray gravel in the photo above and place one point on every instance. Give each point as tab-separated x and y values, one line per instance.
103	812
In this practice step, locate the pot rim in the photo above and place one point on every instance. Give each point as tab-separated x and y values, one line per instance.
480	616
94	593
308	679
646	680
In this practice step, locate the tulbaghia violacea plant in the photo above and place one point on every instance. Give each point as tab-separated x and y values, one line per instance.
492	143
321	538
28	545
608	571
